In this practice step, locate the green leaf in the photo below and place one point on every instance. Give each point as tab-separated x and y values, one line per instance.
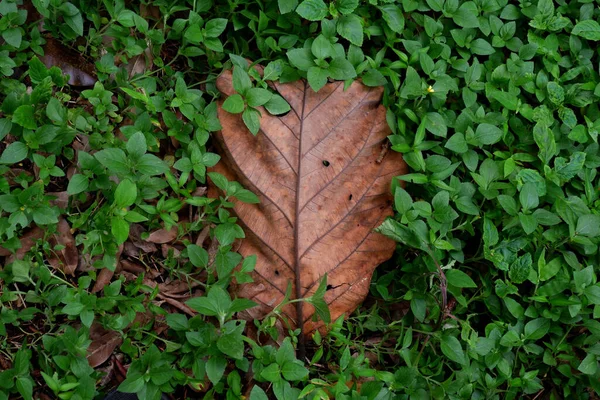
151	165
419	308
14	153
592	293
466	15
481	47
287	6
537	328
257	97
508	100
241	80
114	160
232	345
20	270
412	84
25	386
393	17
301	58
341	69
321	47
588	29
219	180
198	256
346	6
125	194
457	143
25	116
72	17
556	93
402	200
459	279
120	229
317	78
55	111
277	105
251	119
452	349
436	124
194	34
350	28
136	145
588	225
271	373
215	367
520	269
312	10
247	196
529	196
257	393
45	215
544	138
234	104
13	36
215	27
550	269
488	134
490	233
132	384
78	184
294	371
285	352
373	78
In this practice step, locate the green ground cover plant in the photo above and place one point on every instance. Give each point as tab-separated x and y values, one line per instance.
493	292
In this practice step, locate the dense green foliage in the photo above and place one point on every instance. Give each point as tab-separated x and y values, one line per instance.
493	292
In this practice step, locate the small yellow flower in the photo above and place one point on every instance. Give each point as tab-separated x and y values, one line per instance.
430	89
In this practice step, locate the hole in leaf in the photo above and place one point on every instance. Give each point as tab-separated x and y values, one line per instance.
326	163
350	197
329	287
277	272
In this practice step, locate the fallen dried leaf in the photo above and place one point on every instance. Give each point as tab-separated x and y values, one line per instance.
60	199
202	236
321	190
14	173
80	71
163	236
105	275
66	259
135	231
28	240
102	347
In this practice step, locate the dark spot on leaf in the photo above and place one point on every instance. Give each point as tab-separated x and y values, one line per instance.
326	163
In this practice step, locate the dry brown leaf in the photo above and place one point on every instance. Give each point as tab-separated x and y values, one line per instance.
135	231
163	236
101	348
14	173
105	275
66	259
322	192
28	240
59	199
80	71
